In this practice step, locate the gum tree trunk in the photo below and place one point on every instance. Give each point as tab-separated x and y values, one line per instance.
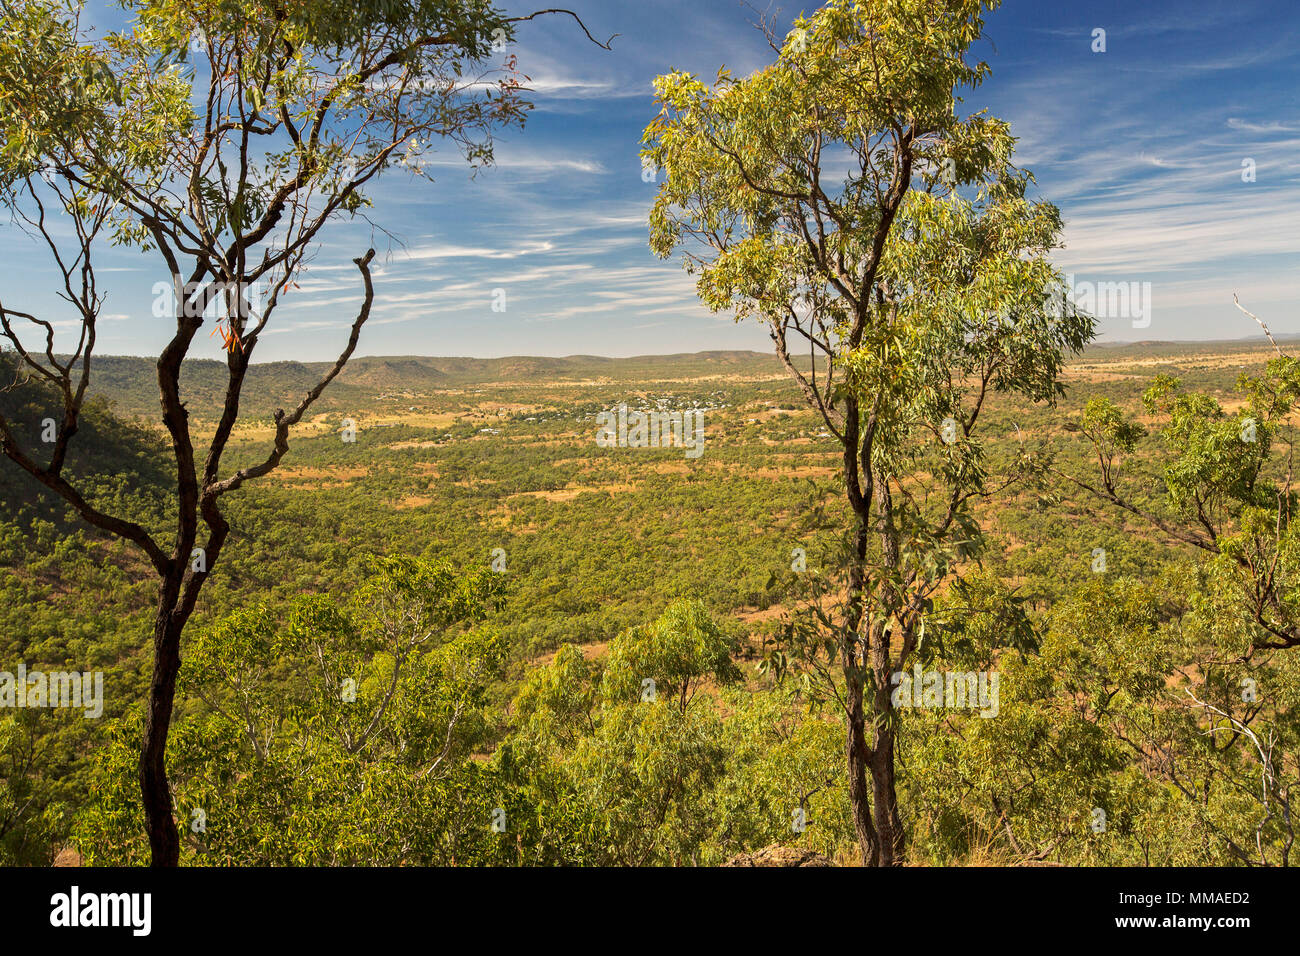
155	791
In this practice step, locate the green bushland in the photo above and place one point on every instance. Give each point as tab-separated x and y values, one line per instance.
621	565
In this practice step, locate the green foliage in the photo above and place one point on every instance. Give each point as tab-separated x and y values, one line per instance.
335	736
354	91
840	193
624	777
1051	756
678	652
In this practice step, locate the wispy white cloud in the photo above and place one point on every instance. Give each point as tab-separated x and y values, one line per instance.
1265	127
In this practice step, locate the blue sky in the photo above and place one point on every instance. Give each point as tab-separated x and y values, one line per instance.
1141	146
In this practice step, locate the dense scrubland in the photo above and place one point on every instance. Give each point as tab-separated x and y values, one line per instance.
432	645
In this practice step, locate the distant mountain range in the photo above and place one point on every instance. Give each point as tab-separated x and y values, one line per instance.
129	381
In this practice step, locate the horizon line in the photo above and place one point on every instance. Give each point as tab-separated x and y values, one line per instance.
1243	340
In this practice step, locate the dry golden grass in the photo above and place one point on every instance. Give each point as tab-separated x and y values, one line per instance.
568	494
412	501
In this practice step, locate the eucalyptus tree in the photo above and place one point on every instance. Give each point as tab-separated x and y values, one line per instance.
619	756
1224	487
361	757
842	196
222	137
1228	482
